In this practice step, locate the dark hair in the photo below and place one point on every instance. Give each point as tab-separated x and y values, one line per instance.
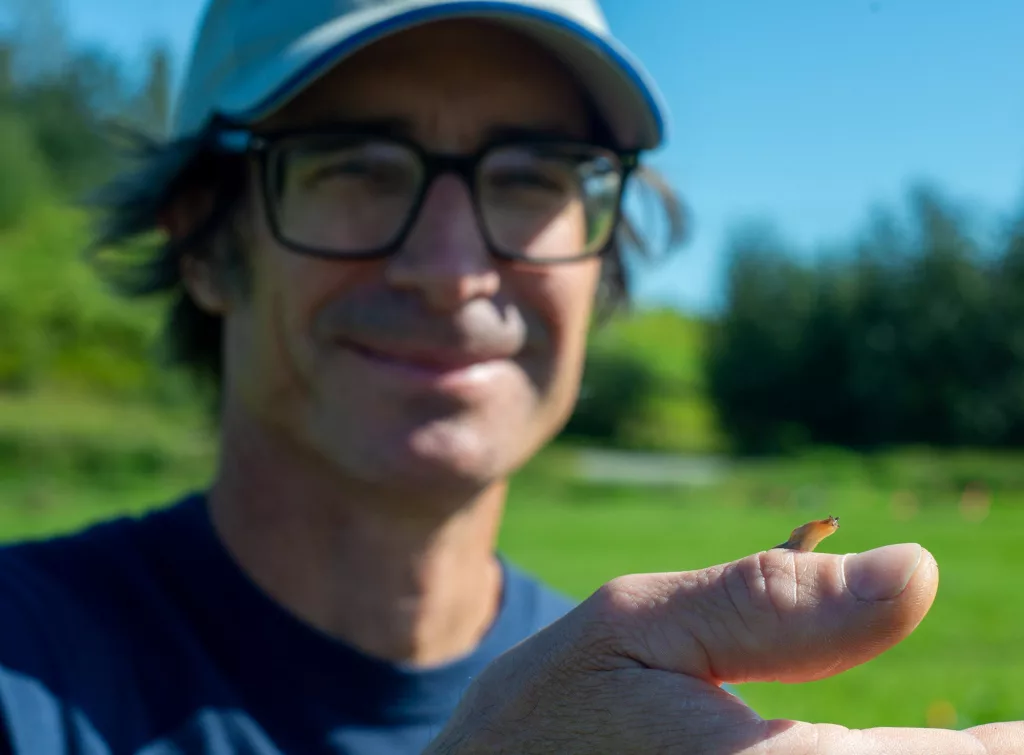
130	206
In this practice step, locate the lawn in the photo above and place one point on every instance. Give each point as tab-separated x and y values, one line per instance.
963	666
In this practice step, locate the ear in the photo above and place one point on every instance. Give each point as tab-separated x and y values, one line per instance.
201	277
204	281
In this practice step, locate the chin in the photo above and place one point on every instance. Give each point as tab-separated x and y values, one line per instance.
439	459
456	456
432	444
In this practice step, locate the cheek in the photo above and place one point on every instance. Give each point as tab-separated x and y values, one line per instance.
288	290
291	287
563	293
564	297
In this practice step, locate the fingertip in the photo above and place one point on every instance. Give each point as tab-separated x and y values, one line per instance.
882	573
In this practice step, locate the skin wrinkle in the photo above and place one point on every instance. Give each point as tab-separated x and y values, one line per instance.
612	601
741	608
615	600
306	388
798	573
380	316
705	664
708	624
767	570
779	602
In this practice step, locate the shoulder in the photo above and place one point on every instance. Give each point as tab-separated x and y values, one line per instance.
98	582
70	606
89	571
48	582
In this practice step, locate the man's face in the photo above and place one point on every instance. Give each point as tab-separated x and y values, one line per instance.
441	365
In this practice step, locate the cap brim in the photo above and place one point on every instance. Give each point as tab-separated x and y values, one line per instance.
621	89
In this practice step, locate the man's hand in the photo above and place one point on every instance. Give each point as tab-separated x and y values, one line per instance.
637	667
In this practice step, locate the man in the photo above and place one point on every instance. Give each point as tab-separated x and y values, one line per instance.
389	224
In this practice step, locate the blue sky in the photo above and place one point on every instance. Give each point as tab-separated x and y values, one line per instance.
805	112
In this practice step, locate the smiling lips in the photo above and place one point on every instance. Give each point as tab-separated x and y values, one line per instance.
435	359
437	368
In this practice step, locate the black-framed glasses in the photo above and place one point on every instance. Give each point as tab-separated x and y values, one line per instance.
347	194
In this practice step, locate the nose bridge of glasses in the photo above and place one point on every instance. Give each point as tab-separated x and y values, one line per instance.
444	255
457	167
446	229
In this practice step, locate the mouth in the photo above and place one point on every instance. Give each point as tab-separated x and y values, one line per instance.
434	360
439	368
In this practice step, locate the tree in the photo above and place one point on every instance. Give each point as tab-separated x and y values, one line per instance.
914	334
156	93
43	41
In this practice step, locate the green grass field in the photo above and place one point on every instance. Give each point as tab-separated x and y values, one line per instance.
963	666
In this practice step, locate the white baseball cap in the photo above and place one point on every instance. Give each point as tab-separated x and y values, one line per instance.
252	56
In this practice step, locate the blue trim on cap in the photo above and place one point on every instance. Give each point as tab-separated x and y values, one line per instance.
439	10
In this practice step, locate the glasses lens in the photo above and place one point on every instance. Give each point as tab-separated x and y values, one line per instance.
345	197
549	201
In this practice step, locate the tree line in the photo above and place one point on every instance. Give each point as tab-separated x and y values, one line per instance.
913	333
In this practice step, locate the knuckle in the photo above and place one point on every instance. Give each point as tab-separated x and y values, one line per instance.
780	582
611	610
621	601
763	587
753	599
636	620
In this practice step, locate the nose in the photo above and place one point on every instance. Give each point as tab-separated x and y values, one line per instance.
445	259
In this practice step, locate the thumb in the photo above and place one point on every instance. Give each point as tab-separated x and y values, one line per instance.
778	615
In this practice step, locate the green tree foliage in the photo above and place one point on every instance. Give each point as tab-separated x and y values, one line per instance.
643	386
62	332
25	175
913	335
615	386
58	102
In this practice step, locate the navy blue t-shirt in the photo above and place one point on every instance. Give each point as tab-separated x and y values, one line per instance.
142	636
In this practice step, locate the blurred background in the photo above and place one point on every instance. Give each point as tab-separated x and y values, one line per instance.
843	332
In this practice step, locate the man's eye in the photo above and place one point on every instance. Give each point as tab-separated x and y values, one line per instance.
525	180
366	172
340	168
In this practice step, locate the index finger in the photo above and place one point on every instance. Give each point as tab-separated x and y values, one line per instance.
799	738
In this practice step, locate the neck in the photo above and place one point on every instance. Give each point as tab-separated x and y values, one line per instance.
394	575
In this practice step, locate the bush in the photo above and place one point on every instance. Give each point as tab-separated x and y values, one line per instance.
62	329
643	387
23	170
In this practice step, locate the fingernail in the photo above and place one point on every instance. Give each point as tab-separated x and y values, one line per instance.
882	573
